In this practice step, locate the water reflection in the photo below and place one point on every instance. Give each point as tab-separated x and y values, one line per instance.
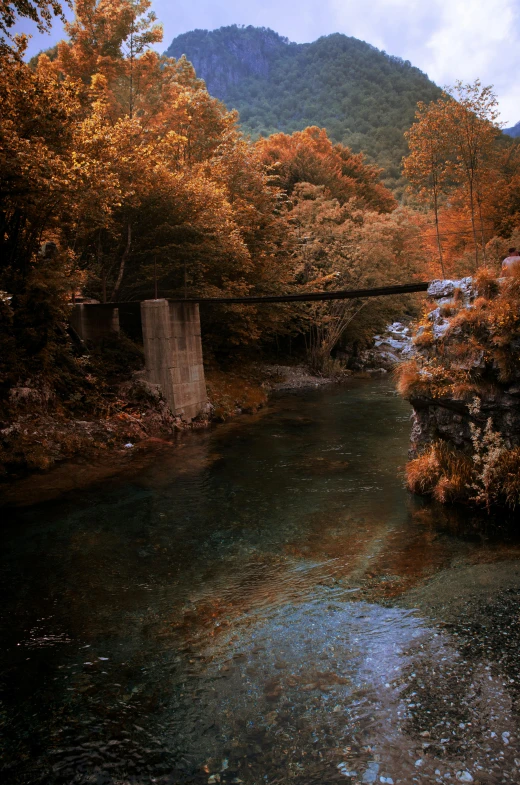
263	603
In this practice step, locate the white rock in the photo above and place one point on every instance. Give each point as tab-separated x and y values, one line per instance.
464	776
394	343
446	288
440	288
370	774
439	330
345	770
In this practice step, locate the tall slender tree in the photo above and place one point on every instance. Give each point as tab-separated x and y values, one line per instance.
425	166
471	125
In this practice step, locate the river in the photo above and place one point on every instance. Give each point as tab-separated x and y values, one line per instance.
263	603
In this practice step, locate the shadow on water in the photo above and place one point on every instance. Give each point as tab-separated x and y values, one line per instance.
264	603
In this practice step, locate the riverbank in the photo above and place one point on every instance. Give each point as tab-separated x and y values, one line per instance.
115	410
45	453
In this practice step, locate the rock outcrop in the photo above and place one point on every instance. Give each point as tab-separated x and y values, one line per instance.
464	386
448	416
224	58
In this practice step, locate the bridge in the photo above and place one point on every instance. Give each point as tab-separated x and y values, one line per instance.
171	334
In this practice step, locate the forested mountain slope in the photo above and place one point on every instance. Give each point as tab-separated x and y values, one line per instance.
514	131
365	98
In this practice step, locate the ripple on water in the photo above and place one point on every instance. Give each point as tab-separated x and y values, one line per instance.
225	616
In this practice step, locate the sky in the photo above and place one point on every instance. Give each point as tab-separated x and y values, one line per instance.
447	39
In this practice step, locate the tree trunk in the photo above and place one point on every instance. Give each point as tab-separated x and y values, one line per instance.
101	264
481	220
124	258
436	211
473	227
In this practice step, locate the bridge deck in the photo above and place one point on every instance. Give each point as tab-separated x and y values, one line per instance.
349	294
345	294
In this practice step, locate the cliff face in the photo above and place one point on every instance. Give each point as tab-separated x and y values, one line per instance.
225	57
464	386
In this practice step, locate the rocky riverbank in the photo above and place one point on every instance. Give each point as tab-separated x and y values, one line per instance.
464	386
117	410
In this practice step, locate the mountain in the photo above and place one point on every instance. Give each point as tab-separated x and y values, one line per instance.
365	98
514	131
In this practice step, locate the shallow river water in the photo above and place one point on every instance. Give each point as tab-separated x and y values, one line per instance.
262	603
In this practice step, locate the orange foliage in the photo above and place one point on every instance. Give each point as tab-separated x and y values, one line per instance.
441	471
310	157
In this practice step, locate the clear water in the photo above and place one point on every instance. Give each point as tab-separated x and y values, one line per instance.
263	603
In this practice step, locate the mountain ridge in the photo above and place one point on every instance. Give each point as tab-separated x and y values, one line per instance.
514	131
365	98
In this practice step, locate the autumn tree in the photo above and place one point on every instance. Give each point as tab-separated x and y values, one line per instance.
309	156
505	198
348	247
472	128
196	210
453	147
39	11
425	166
47	180
332	200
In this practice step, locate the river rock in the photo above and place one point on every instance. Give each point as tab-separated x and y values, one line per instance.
444	290
388	350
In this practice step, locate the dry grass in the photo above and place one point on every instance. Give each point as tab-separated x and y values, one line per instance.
448	475
486	283
507	478
441	471
408	378
448	309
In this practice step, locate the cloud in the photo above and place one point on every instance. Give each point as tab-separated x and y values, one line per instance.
479	39
448	39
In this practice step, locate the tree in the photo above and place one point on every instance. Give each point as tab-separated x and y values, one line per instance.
196	208
309	156
425	166
111	39
348	247
48	177
472	129
40	11
453	149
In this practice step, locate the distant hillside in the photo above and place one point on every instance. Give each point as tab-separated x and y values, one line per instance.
362	96
514	131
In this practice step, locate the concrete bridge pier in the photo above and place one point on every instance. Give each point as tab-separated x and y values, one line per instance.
95	323
173	354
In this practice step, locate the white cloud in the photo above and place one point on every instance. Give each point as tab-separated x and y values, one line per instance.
479	39
448	39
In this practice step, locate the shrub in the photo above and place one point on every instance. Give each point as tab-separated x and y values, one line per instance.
441	471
